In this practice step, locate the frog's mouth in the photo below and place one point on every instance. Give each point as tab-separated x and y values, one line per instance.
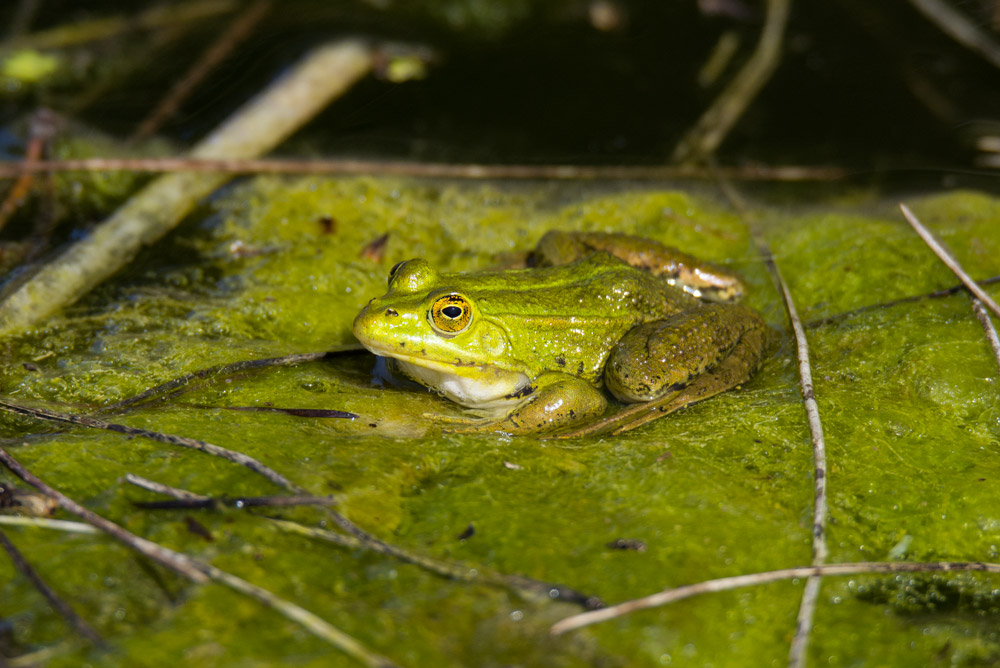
466	383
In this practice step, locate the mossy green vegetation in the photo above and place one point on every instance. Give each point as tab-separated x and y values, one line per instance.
274	266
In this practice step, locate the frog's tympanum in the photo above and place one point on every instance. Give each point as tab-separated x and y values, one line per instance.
530	349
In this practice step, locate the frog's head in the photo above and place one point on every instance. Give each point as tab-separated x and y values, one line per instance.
439	336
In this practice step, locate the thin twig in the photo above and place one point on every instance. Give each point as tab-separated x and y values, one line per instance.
57	603
715	123
810	594
960	28
426	170
218	51
201	572
46	523
725	584
948	260
184	442
988	329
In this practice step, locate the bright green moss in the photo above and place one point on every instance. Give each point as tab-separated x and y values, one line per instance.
907	394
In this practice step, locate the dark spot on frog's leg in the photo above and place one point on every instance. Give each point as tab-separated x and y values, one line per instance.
579	370
402	344
561	361
391	312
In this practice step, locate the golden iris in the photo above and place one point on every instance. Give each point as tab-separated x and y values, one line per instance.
451	314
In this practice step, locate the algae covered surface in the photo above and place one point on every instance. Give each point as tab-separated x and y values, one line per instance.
907	392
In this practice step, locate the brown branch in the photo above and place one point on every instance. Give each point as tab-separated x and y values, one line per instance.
427	170
58	604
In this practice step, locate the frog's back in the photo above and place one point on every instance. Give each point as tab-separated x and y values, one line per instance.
567	318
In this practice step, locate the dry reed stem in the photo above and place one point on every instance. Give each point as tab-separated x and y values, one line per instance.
725	584
426	170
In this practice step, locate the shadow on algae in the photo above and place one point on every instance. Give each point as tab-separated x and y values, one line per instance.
907	393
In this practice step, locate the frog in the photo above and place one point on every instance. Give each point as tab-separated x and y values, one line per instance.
537	349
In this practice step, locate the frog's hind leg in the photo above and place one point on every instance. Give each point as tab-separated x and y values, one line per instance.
698	277
665	365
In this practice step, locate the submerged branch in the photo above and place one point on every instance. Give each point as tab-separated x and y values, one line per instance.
184	442
201	572
526	587
57	603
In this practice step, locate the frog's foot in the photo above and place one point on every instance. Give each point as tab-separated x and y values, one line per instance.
557	401
698	277
666	365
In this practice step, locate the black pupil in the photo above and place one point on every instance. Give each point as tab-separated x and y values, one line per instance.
452	311
395	267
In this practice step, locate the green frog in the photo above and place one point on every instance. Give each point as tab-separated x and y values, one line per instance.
531	349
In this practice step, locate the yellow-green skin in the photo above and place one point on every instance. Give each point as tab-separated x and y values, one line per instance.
541	342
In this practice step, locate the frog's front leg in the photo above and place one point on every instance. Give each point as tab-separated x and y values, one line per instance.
556	401
690	356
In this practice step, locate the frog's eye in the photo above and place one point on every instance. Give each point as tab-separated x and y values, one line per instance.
395	268
450	314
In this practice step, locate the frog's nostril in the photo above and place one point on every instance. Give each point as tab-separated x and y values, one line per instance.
391	312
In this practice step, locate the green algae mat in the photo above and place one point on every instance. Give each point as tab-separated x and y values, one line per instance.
907	391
